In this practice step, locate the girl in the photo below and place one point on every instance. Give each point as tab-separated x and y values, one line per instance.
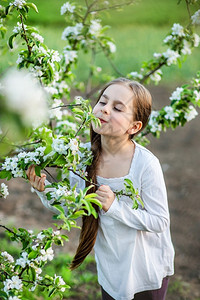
133	248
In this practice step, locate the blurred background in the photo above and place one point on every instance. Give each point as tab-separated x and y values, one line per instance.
138	31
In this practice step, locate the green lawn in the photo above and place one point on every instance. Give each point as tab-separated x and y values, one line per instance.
138	31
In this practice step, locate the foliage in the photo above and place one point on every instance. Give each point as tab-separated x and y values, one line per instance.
50	128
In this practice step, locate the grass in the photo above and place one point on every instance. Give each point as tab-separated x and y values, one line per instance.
149	12
138	31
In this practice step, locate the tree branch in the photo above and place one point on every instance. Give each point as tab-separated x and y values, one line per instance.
113	6
25	36
152	71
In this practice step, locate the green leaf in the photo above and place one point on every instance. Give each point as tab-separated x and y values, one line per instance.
38	171
3	295
48	245
128	181
33	254
4	174
58	207
32	5
33	274
88	206
10	41
51	292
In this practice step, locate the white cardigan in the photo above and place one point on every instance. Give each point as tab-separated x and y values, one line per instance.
133	249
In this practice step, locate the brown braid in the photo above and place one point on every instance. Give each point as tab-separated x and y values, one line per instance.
142	110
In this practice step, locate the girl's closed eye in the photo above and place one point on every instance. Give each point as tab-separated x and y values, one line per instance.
103	103
117	109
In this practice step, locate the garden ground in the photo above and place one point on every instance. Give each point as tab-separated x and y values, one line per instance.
178	152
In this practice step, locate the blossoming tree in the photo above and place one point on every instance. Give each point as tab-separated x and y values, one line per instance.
50	130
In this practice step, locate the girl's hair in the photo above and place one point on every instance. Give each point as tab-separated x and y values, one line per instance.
142	109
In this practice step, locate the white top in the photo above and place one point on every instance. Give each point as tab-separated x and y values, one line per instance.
133	249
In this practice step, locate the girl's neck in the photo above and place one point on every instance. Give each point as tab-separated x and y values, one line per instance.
115	146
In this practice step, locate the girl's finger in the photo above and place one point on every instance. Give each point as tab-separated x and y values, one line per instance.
41	183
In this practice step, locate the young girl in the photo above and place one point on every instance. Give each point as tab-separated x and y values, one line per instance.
133	248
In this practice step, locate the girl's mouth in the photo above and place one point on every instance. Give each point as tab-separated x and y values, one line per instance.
102	121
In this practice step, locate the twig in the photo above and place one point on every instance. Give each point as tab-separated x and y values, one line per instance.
152	71
110	61
97	185
50	175
81	126
65	105
8	230
25	37
88	11
113	6
89	83
188	8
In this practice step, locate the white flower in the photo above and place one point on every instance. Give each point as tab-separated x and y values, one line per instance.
186	48
55	56
7	256
55	111
4	190
25	96
57	232
38	37
176	95
153	122
73	145
72	30
95	27
60	191
36	71
66	123
170	113
177	29
196	39
60	282
59	146
167	39
47	255
40	236
67	7
17	173
19	59
136	75
197	95
156	76
191	113
14	283
39	50
6	165
157	55
23	261
13	298
34	247
112	47
196	18
51	90
171	56
70	56
18	3
18	28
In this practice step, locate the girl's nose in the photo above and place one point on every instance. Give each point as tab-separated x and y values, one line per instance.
105	109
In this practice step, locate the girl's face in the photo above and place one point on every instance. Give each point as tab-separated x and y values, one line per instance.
115	111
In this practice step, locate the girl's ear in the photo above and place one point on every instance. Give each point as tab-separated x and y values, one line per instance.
137	126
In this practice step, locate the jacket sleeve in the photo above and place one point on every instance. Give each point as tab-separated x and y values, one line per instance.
74	179
155	215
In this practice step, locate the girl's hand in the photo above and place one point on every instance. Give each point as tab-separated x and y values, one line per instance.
36	181
105	196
